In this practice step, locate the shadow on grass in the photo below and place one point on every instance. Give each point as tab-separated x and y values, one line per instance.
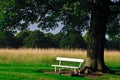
115	71
93	76
43	70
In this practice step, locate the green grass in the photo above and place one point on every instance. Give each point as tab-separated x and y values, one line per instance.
36	72
31	72
30	64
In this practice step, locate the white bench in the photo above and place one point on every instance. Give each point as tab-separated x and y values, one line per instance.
60	59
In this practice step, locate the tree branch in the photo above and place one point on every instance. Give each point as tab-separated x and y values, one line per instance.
115	12
114	7
114	3
43	13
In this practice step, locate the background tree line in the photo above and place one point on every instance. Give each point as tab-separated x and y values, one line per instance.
37	39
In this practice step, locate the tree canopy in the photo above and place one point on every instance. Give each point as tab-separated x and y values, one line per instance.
46	13
75	14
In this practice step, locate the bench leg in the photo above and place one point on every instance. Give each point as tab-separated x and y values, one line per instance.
59	70
75	71
55	69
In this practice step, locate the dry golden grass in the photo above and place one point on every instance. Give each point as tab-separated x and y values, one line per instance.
38	55
112	58
30	55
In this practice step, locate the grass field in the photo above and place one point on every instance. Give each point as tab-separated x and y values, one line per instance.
29	64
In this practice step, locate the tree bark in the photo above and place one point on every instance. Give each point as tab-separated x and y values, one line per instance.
95	51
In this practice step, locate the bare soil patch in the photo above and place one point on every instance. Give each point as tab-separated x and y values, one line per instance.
71	73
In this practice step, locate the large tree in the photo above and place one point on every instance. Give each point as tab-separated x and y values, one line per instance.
100	13
79	14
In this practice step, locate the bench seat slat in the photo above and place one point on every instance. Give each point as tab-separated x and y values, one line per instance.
65	66
70	59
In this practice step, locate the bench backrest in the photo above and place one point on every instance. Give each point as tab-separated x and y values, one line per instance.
70	59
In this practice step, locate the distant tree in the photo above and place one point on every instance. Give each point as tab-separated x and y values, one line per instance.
35	39
54	39
57	38
72	40
50	40
7	40
21	36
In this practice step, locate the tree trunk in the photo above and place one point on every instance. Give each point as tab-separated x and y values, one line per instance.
95	51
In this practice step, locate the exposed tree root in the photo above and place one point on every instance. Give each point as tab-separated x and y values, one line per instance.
86	70
89	70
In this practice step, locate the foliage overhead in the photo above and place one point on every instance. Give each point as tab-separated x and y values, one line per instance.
74	14
47	13
113	27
